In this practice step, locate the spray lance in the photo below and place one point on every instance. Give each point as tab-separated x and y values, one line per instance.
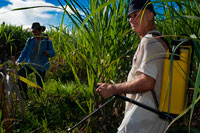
124	98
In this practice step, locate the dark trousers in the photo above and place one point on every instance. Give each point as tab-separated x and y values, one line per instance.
24	71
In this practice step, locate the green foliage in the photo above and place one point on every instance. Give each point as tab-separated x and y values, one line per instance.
54	110
101	41
98	48
1	127
176	15
99	45
12	41
104	39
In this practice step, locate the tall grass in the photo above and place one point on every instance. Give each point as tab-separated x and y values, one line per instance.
100	45
101	36
104	37
100	41
12	40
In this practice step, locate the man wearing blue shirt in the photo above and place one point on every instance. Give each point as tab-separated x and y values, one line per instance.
35	56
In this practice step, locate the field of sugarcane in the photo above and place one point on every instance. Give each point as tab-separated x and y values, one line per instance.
97	47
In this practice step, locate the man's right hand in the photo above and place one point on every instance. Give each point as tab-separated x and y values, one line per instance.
16	63
105	90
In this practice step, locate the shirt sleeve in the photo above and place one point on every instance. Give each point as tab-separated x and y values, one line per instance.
24	52
152	51
50	50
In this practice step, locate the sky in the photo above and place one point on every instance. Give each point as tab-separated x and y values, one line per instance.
46	16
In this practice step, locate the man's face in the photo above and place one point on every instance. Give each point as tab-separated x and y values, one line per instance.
139	21
36	33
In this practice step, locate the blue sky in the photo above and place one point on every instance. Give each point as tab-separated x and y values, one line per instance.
46	16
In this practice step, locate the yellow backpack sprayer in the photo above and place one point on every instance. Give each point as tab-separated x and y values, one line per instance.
173	98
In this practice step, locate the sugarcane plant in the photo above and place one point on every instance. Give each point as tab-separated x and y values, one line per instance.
99	45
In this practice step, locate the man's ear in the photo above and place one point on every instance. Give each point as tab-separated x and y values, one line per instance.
151	15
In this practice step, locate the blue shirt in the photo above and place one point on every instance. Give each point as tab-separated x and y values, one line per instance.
33	53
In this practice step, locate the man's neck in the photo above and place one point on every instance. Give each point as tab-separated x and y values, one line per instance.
146	31
150	27
39	37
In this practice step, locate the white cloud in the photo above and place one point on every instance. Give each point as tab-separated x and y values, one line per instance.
27	17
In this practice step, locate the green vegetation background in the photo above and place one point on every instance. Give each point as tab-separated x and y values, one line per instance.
98	47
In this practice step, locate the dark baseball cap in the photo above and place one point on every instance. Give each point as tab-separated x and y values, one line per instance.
137	5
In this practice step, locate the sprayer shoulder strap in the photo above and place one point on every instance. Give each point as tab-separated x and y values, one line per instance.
47	40
155	98
160	38
164	43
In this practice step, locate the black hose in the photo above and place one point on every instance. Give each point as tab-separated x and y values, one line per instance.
161	114
70	129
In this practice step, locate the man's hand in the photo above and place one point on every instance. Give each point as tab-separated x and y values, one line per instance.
105	90
16	63
46	53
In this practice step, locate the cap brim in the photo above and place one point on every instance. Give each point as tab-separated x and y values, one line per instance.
43	28
128	16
